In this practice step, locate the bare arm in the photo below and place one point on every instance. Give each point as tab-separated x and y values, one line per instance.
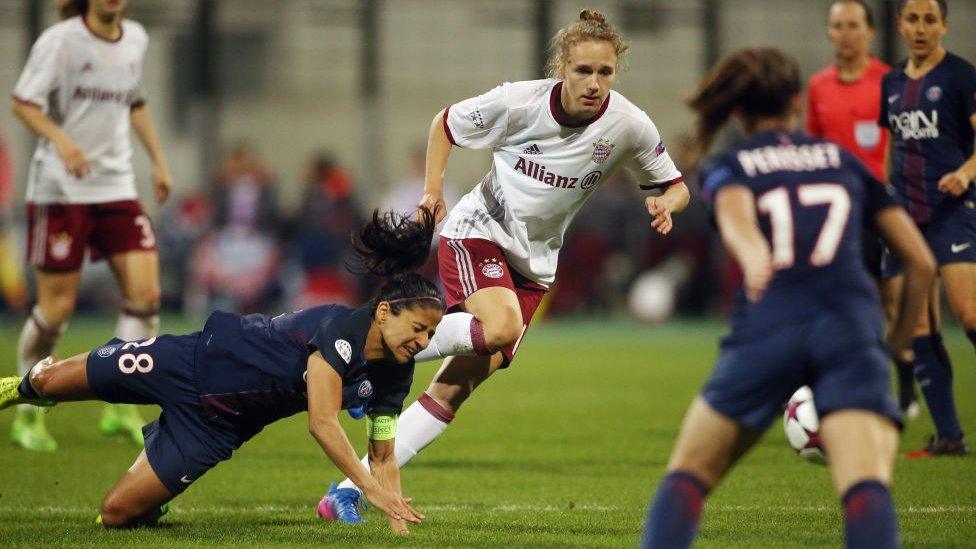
324	403
438	151
145	128
956	183
385	470
674	199
735	214
34	118
903	238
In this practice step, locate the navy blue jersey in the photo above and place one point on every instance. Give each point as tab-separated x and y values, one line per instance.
812	199
251	370
929	119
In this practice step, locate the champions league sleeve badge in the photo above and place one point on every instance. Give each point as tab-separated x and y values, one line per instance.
602	150
344	349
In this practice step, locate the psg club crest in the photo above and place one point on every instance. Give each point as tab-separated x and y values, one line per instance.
107	351
492	268
934	93
365	389
60	246
602	150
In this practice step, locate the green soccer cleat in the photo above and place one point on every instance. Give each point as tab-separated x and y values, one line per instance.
123	420
29	432
9	395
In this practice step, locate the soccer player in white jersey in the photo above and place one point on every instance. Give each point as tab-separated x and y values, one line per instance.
553	142
79	92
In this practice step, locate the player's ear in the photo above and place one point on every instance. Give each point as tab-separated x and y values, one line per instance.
382	313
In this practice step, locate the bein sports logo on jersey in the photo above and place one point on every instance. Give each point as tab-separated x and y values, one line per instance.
602	150
344	349
492	268
365	389
915	124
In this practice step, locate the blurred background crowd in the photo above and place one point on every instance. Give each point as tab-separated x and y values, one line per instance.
287	122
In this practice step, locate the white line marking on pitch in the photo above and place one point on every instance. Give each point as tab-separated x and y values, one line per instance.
261	509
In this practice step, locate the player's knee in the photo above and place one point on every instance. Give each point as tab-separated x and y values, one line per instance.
117	512
146	299
504	330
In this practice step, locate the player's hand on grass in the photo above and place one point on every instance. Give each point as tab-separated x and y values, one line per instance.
660	214
954	183
398	526
73	159
162	182
435	203
396	507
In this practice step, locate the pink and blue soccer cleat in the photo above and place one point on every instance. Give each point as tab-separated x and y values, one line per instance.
341	504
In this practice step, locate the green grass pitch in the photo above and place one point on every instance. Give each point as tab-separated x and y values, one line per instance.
564	449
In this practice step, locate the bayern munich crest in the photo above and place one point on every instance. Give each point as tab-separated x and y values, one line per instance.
602	150
934	93
365	389
60	246
492	268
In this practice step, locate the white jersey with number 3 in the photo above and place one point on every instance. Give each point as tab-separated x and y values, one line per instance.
87	85
544	167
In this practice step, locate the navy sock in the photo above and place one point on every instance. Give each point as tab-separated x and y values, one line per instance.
673	518
869	516
934	374
26	390
906	381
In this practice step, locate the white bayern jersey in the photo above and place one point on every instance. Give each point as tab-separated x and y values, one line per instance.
87	85
544	168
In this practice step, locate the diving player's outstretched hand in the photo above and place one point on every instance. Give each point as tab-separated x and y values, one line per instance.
435	203
396	507
660	214
954	183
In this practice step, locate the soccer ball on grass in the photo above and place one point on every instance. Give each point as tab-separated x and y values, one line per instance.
802	426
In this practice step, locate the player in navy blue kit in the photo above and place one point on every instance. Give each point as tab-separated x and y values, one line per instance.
221	386
928	104
791	209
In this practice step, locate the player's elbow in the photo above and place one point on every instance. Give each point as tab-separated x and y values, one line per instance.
319	427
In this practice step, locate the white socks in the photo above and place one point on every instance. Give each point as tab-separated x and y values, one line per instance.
37	340
135	323
457	334
419	425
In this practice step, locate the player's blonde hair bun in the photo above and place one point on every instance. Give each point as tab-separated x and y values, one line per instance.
591	25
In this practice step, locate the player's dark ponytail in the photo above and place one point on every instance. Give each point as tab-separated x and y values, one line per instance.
70	8
758	82
393	245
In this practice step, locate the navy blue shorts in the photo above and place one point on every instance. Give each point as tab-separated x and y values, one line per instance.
951	237
181	445
840	356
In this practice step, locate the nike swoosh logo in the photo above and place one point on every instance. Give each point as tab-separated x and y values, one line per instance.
956	248
893	98
185	480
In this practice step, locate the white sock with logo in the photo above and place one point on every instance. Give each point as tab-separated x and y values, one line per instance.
37	340
458	334
419	425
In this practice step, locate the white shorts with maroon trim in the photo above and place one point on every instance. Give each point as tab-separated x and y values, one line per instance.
469	264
